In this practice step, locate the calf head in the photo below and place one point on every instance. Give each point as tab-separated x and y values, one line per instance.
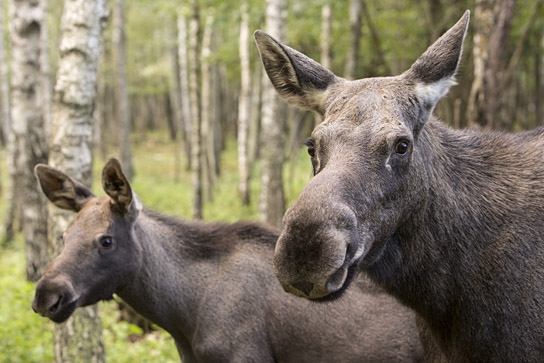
99	253
368	169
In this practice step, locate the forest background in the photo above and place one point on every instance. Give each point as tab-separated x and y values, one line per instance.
181	98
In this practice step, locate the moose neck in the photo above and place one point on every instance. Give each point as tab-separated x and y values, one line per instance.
162	288
478	191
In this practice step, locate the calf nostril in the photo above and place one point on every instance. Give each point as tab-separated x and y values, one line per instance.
53	308
305	286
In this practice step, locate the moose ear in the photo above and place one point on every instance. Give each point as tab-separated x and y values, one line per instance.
299	80
116	185
434	71
60	189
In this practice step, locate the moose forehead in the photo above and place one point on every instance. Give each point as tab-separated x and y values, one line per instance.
369	111
371	101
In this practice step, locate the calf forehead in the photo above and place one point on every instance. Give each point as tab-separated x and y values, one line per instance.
95	217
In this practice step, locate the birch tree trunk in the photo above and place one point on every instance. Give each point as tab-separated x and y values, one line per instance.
30	145
5	111
122	99
184	87
8	140
355	14
326	34
80	338
196	135
207	114
272	199
244	107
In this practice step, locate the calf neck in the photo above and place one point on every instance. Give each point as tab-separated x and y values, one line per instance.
448	221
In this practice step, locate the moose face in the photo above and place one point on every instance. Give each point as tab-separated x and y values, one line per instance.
366	183
99	254
368	162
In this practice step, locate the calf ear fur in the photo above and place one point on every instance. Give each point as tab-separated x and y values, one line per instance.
123	199
60	189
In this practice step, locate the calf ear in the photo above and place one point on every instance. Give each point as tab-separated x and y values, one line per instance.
299	80
434	72
60	189
123	199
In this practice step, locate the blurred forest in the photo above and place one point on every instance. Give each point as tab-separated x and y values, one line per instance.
190	69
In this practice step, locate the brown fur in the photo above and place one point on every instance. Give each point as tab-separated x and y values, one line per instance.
210	285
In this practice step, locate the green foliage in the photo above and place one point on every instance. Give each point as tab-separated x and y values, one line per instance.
26	337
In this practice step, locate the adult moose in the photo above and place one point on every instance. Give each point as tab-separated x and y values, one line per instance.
211	286
451	222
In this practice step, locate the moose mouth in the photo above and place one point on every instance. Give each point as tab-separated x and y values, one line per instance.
336	285
59	311
350	275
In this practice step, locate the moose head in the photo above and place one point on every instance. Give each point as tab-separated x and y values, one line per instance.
370	177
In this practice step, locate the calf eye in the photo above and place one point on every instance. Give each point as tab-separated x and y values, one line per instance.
401	147
106	242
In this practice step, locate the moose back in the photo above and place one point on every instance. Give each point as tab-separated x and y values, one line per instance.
451	222
211	286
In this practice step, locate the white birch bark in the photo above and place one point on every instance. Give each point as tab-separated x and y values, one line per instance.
272	199
29	145
244	106
207	127
184	86
196	134
80	338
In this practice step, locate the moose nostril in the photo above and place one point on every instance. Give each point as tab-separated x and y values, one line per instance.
305	286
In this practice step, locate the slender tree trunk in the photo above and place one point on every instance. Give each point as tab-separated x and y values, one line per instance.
46	79
27	20
4	85
381	59
355	13
80	338
326	34
7	137
492	24
196	136
207	129
435	14
244	107
123	106
504	12
255	113
175	102
272	199
184	88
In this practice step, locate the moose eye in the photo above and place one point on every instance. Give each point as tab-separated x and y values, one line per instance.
106	242
311	148
401	148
